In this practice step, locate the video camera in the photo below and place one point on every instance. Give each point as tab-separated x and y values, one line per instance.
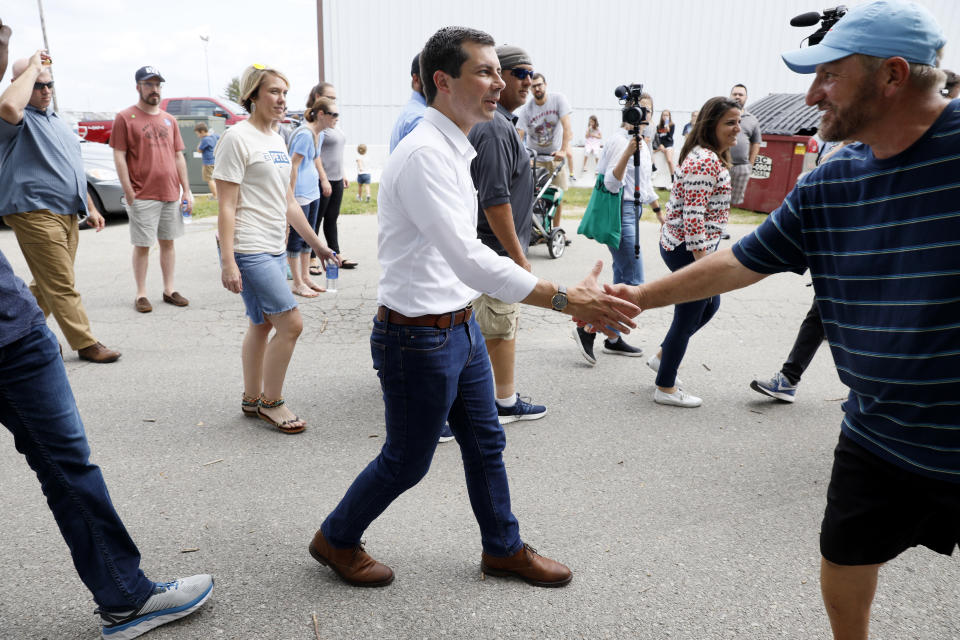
629	96
827	20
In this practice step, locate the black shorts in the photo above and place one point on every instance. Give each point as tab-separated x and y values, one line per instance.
876	510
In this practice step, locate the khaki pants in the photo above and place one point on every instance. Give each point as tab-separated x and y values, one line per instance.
49	245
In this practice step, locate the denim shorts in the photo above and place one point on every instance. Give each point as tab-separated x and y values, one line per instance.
363	178
265	289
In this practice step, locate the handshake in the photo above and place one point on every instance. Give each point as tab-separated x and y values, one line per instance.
609	310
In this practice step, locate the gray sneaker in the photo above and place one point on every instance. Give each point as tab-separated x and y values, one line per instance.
169	601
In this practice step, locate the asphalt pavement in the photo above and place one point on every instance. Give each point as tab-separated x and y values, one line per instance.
677	523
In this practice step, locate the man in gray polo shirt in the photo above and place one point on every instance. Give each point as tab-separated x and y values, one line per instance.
746	149
501	171
44	188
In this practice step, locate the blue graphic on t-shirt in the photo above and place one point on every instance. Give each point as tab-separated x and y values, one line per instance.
277	157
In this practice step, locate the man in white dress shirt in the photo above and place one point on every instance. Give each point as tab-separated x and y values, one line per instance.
427	348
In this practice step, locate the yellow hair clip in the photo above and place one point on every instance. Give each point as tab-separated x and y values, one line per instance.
259	67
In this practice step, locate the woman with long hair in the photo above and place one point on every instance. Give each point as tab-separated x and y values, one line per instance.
256	203
696	215
592	142
331	157
665	129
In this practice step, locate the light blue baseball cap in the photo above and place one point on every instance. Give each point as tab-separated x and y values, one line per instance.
883	29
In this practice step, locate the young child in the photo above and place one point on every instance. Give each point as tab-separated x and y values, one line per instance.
208	142
363	176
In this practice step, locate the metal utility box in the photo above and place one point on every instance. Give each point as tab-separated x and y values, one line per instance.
190	142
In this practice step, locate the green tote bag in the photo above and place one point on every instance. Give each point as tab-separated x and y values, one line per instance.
601	220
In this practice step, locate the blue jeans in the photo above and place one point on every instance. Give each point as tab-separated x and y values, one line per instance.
295	243
427	376
688	318
627	268
37	406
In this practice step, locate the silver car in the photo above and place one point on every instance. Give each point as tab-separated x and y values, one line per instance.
103	184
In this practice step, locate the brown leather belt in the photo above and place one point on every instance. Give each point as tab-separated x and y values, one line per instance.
440	321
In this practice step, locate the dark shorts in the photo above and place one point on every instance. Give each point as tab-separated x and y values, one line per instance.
363	178
876	510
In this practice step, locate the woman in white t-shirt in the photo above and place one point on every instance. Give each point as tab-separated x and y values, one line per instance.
256	204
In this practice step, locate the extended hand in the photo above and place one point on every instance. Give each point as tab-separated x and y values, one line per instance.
588	304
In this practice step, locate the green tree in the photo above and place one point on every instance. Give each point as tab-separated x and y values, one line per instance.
232	90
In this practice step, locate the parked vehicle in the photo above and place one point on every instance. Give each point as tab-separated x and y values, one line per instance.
103	183
96	126
230	111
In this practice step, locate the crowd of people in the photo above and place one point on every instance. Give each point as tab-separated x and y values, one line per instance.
875	225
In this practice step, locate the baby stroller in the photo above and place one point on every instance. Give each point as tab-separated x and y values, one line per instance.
546	199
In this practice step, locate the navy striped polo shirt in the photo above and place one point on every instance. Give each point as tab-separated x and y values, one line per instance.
882	241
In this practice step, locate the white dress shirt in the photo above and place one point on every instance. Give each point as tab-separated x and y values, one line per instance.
612	151
431	259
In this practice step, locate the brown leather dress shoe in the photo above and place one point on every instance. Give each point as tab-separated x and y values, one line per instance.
175	299
529	566
353	565
98	353
143	305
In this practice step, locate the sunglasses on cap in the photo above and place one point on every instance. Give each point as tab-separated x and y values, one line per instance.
522	74
37	86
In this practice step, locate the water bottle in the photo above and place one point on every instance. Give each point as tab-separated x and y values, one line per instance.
185	211
333	272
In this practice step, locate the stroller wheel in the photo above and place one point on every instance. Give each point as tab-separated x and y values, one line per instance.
556	243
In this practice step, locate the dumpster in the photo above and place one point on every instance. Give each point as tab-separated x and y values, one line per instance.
190	142
788	148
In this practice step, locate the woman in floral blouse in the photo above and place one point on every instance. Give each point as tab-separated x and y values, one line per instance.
696	215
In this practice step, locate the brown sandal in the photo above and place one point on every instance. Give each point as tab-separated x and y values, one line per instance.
250	404
286	426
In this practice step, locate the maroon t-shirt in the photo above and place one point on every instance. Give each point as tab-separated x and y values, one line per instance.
150	142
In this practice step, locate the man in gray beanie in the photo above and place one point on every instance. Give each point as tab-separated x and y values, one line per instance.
504	180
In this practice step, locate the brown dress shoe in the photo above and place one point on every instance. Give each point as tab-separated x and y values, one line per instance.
142	305
175	299
354	565
98	353
529	566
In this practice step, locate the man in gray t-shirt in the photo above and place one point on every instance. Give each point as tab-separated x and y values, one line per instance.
544	125
747	148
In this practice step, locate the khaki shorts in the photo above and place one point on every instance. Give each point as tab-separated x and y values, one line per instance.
207	172
560	180
153	219
497	319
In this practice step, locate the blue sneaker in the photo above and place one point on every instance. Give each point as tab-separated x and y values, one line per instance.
777	387
169	601
446	435
520	411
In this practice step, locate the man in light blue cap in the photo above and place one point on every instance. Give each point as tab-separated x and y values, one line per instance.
878	228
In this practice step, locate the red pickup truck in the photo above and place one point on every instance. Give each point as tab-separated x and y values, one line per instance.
99	130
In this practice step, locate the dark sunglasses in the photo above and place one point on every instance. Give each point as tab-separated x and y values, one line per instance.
522	74
335	115
37	86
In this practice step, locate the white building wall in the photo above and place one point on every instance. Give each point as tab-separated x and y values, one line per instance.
683	51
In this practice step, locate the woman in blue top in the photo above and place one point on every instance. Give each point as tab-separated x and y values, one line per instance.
305	175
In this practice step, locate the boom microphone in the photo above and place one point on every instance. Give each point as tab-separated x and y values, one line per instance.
805	19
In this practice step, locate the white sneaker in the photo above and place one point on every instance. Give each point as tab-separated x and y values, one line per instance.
676	399
654	363
168	602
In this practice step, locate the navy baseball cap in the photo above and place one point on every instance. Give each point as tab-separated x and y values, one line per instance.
883	29
149	72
